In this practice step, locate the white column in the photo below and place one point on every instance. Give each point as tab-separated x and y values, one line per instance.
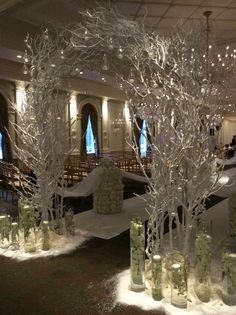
105	118
73	121
20	97
128	134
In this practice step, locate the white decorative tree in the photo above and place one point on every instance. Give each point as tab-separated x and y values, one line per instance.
173	84
41	128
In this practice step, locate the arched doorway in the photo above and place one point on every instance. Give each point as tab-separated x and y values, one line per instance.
89	130
5	145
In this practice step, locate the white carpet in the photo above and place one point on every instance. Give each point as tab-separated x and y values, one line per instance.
109	226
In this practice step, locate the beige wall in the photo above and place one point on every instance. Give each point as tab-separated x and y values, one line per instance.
228	129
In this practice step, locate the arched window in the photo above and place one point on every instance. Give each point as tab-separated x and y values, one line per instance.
143	143
90	140
5	146
89	130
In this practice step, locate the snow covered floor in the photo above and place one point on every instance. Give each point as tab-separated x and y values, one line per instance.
59	245
218	220
146	302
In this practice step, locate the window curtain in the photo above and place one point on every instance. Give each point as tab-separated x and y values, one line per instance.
87	110
137	131
4	126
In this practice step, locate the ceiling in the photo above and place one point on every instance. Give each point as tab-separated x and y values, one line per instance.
162	15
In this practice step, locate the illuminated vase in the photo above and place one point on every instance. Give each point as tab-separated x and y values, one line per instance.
45	230
203	253
15	236
5	228
229	276
69	222
29	240
179	282
156	277
137	255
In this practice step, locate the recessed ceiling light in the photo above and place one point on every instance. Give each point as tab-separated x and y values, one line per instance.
19	56
53	65
81	72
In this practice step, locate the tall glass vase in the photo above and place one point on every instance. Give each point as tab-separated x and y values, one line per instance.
45	230
15	236
69	222
137	255
229	275
156	277
29	240
179	282
203	258
5	229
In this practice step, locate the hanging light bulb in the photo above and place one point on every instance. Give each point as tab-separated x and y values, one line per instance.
120	53
110	43
26	58
86	35
105	65
46	35
62	54
25	69
131	76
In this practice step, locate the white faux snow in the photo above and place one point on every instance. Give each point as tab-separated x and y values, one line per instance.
59	245
146	302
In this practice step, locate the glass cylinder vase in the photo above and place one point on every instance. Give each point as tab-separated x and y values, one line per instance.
179	282
69	222
15	236
29	240
229	276
45	230
156	277
5	229
137	255
203	258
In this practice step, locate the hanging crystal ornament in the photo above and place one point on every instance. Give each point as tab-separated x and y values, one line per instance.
46	35
62	54
120	53
26	57
131	76
25	69
105	65
110	43
86	37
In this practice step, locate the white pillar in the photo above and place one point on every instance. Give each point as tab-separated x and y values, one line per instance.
20	96
105	118
73	121
128	131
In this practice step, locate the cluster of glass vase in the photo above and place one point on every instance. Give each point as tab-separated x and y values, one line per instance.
9	233
176	269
